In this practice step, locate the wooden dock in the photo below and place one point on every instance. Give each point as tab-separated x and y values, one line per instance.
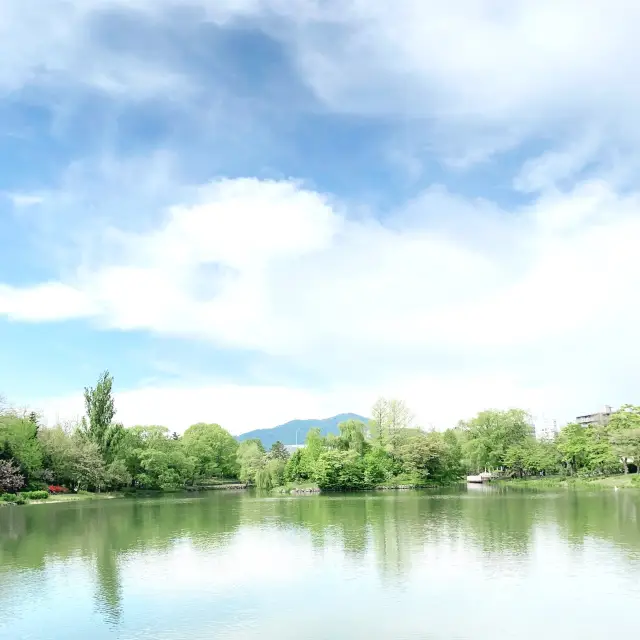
480	478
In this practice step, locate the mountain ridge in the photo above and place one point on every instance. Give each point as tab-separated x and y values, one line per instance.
286	433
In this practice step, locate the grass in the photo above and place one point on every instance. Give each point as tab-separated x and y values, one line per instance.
621	481
77	497
213	482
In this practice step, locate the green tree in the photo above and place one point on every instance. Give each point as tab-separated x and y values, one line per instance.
251	459
379	466
339	470
294	468
100	409
278	451
624	433
587	449
388	419
573	445
58	452
150	458
491	433
19	442
353	436
271	474
424	455
214	450
315	444
454	454
87	470
601	455
379	423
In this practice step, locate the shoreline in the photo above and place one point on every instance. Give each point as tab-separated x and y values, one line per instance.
113	495
615	482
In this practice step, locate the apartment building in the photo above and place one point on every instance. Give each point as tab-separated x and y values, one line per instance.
600	418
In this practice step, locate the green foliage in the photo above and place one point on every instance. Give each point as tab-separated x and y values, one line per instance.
429	457
624	434
278	451
265	470
100	408
353	436
34	495
150	458
388	419
573	446
213	449
270	475
379	467
362	457
294	469
251	460
339	470
490	435
587	450
12	498
19	442
100	455
532	457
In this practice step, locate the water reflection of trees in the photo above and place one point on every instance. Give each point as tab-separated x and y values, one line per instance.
102	532
387	528
495	526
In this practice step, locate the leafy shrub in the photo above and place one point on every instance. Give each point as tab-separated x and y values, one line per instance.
12	498
635	481
34	495
340	470
35	485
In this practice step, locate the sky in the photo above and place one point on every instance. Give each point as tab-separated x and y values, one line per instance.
251	211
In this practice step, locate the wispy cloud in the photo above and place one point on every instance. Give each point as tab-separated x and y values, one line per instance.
297	279
453	301
22	200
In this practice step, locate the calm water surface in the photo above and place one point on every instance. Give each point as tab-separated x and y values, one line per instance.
438	566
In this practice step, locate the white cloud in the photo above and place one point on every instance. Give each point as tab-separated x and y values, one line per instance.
20	200
49	301
238	408
57	47
484	75
545	171
532	306
477	59
480	75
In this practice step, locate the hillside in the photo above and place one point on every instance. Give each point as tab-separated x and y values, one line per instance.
286	433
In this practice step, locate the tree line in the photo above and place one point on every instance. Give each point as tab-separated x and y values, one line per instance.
99	454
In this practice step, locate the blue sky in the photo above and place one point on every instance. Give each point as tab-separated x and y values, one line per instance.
257	210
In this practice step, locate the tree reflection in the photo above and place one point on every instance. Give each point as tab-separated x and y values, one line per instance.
391	531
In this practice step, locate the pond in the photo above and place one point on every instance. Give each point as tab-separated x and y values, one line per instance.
448	565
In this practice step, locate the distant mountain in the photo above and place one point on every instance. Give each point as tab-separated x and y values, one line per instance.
286	433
